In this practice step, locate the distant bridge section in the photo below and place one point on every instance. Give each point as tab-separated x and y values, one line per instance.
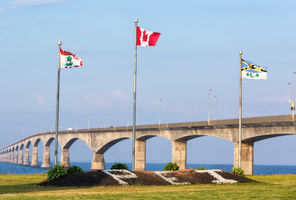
99	140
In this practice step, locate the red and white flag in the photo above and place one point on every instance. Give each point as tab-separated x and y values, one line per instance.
69	60
146	38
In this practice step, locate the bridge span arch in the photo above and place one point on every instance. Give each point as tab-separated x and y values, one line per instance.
99	140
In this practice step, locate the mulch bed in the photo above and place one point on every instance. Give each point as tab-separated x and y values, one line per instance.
240	179
96	178
192	177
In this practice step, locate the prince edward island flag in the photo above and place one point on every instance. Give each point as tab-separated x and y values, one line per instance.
69	60
252	71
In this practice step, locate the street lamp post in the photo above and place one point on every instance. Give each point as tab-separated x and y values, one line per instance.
216	106
209	105
293	99
290	98
159	113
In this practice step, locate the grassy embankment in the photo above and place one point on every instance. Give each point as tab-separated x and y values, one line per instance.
270	187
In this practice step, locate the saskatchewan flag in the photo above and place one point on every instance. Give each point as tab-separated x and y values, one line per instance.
252	71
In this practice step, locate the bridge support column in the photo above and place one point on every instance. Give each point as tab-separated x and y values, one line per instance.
65	161
46	157
26	158
247	157
140	155
98	162
20	157
9	157
34	162
12	157
16	153
179	153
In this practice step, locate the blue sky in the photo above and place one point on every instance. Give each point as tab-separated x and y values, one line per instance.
198	50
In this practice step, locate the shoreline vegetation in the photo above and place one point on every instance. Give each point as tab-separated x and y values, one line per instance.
266	187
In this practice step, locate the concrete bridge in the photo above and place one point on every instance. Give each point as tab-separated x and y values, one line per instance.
99	140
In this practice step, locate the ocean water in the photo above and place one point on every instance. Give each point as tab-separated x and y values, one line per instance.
8	168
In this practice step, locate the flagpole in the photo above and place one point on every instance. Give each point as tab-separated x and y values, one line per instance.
57	108
240	112
134	99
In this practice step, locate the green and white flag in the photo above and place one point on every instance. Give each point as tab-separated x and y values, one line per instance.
252	71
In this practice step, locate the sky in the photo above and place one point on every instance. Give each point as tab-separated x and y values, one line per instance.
198	50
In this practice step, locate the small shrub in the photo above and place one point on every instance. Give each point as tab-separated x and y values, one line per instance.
238	171
56	172
119	166
201	168
74	169
171	167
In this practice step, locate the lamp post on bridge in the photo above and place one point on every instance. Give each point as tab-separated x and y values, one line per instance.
209	105
216	106
293	97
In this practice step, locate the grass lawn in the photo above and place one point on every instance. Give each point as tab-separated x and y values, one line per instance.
270	187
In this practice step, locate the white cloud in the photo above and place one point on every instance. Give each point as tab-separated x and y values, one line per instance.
103	100
277	99
40	99
23	3
34	2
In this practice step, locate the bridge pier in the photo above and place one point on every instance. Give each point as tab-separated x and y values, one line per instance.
98	162
179	153
247	157
140	155
26	158
8	157
46	157
12	157
15	157
34	162
20	157
65	161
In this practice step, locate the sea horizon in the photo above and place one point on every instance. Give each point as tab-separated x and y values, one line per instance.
259	169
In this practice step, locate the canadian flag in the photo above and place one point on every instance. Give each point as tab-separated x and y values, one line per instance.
146	38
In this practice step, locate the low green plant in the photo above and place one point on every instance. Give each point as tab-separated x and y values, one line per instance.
238	171
74	169
119	166
201	168
170	167
56	172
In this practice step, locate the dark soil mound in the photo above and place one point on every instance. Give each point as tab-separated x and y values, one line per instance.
82	179
100	177
146	178
240	179
192	177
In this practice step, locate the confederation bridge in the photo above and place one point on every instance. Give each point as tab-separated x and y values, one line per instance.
99	140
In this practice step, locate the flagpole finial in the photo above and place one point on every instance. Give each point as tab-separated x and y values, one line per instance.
240	53
60	42
136	21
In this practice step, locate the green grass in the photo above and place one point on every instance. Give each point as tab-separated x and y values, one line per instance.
270	187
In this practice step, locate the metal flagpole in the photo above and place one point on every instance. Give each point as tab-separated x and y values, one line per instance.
240	112
134	101
57	109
